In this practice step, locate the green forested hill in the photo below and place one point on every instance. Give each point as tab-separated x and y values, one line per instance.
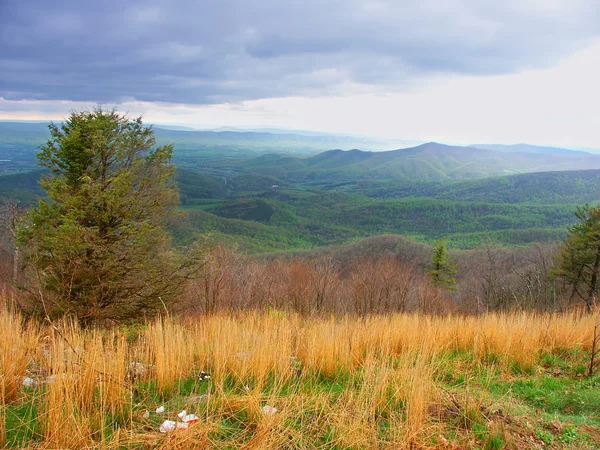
315	219
254	211
574	187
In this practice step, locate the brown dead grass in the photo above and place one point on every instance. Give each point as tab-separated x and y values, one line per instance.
388	364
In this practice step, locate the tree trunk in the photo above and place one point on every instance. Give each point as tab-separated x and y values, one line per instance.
16	265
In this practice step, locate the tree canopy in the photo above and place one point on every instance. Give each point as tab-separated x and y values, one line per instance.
443	267
579	258
97	248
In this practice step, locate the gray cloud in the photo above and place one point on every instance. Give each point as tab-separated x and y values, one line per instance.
226	50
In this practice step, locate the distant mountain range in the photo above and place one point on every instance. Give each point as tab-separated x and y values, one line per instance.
308	157
427	162
527	148
268	139
271	139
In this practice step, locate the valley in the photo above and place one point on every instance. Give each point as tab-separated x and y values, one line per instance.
272	192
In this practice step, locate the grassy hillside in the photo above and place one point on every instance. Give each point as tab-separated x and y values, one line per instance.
278	380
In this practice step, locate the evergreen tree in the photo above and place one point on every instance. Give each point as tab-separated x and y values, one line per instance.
97	248
443	268
579	257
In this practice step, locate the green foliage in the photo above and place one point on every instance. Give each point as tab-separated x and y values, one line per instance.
443	268
579	261
568	435
97	246
545	436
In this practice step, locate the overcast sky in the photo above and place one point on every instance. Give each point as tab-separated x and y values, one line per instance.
449	70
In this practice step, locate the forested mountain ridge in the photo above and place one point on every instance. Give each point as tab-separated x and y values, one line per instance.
426	162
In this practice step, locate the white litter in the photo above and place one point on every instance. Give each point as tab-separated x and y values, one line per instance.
182	426
190	418
269	409
182	414
160	410
29	382
146	415
204	376
167	425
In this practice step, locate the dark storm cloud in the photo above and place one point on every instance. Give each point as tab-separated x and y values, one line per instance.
226	50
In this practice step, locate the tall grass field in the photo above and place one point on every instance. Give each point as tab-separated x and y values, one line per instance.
272	380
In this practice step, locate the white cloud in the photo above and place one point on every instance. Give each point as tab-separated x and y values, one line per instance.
552	106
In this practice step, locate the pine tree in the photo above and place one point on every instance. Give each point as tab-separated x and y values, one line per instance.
579	257
443	268
97	247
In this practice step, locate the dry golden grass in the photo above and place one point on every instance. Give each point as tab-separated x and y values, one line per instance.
336	382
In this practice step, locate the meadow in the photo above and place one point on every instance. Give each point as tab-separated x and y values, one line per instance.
279	380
